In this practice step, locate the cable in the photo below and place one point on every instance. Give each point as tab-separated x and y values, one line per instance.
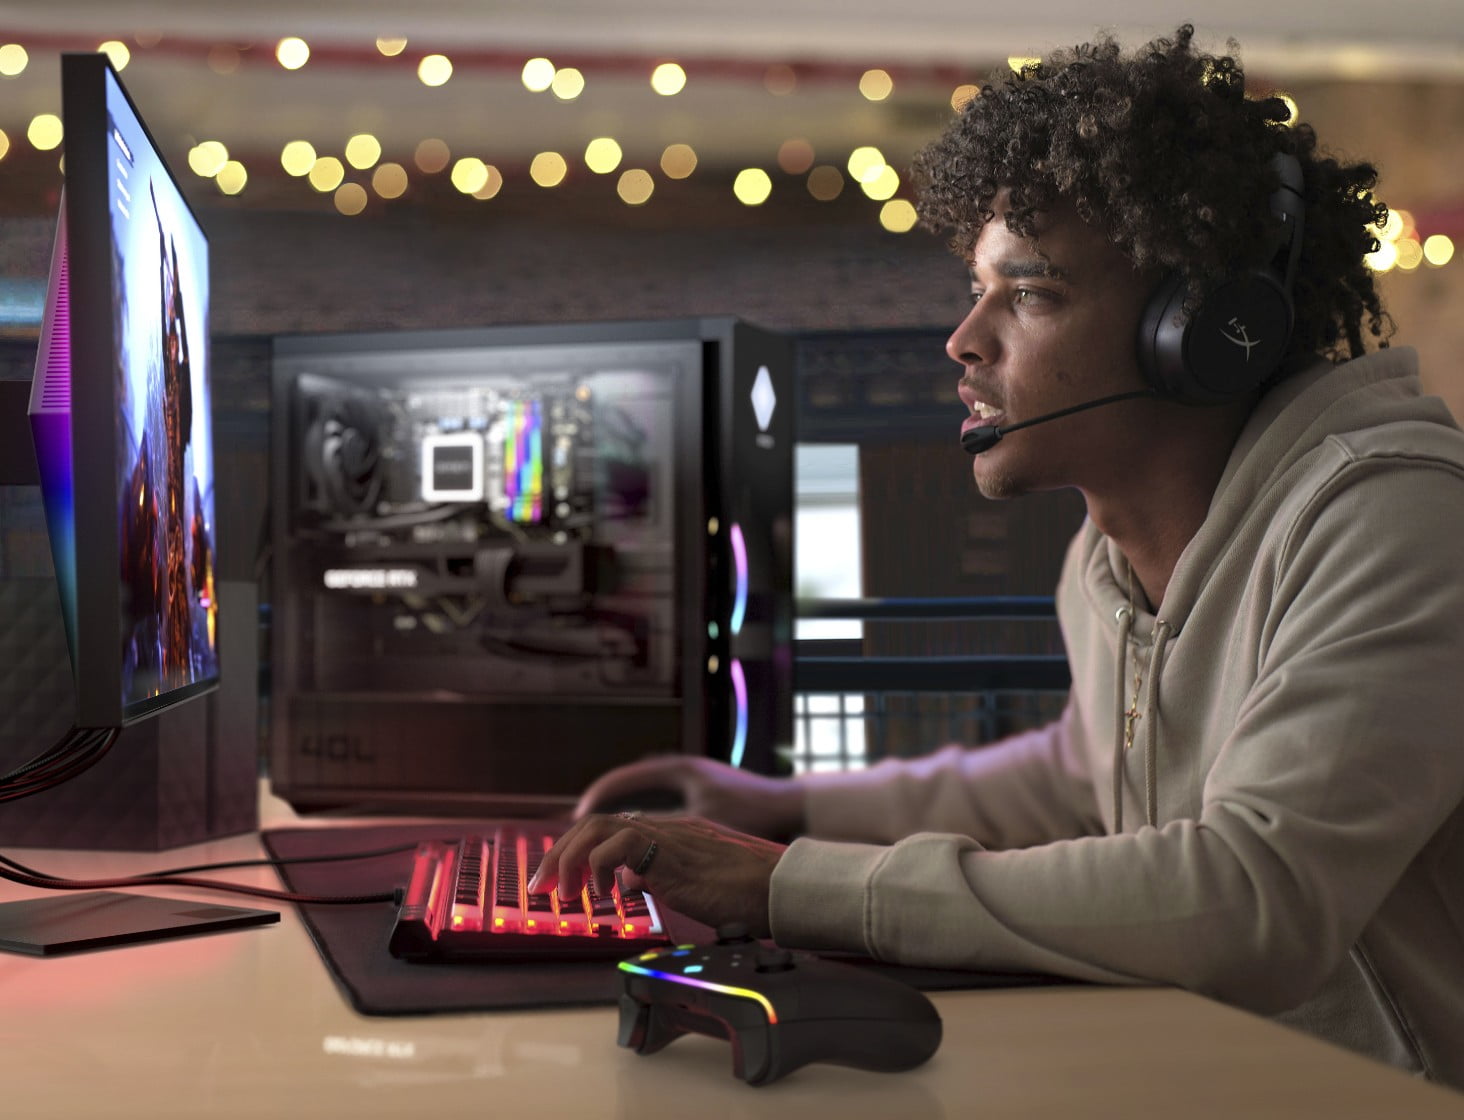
187	881
77	750
379	852
81	748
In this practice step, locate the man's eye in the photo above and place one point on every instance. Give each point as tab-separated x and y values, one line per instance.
976	295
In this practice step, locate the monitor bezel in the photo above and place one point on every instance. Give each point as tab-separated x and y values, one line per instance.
93	284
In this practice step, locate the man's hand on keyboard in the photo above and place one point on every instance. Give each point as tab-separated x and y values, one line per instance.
703	787
703	870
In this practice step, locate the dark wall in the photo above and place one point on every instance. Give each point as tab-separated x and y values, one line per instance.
871	310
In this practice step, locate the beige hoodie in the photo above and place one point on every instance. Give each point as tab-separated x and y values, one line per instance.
1286	832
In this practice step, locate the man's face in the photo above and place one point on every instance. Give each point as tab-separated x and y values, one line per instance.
1052	324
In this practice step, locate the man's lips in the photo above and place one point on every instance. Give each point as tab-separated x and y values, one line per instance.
983	414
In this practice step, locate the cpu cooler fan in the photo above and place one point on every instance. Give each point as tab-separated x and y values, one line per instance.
342	454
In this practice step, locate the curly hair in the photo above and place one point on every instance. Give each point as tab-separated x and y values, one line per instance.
1163	152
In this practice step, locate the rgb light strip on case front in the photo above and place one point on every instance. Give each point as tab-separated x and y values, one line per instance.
739	688
739	563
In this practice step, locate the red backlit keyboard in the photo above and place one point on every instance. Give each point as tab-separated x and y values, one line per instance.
468	900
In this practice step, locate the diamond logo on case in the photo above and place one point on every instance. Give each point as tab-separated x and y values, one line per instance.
764	400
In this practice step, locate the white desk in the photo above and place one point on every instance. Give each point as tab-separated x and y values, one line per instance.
249	1024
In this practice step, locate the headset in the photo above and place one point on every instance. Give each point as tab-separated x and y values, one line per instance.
1222	350
1235	339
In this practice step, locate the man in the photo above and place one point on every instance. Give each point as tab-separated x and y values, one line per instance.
1255	788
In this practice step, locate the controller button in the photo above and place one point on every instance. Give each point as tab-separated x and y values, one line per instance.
733	933
774	960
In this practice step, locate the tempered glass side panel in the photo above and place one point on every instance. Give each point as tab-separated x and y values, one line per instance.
495	523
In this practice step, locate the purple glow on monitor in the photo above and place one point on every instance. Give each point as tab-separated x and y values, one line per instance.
50	416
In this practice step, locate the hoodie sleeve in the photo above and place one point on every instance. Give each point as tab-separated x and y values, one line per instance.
1025	790
1341	762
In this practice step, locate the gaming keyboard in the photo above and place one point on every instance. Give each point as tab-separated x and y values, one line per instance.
467	899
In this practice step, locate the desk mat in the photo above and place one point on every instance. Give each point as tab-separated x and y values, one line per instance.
352	940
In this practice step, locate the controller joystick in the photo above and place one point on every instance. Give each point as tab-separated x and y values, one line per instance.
779	1010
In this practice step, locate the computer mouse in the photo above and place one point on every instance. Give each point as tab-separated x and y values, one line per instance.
650	799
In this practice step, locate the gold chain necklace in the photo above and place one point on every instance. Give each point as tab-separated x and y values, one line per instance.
1133	715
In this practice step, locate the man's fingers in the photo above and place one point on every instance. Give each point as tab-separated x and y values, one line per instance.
622	849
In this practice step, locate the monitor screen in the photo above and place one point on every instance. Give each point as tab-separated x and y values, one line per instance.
126	407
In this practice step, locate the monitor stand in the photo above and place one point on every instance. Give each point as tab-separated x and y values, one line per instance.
46	927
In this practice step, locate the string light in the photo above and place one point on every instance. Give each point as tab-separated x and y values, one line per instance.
898	216
292	53
491	186
795	156
389	180
13	60
45	132
434	70
752	186
1438	249
362	151
298	157
668	79
568	84
390	47
876	85
548	169
232	177
207	159
117	53
635	187
825	182
469	174
602	155
678	161
538	75
351	199
432	155
327	174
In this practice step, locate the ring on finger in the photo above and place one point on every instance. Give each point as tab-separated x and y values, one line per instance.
646	860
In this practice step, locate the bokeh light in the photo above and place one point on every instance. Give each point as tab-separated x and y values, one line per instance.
602	155
292	53
538	75
668	79
389	180
752	186
362	151
434	70
327	174
45	132
298	157
678	161
548	169
351	199
876	85
635	186
898	216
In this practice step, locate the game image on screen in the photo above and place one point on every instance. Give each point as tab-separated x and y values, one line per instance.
164	447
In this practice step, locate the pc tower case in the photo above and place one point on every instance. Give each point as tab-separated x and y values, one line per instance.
508	559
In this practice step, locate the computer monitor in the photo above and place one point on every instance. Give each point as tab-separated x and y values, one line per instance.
507	559
120	414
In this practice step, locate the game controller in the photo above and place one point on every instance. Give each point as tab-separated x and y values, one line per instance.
780	1010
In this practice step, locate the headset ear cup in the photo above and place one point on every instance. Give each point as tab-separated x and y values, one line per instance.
1237	339
1162	329
1222	351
